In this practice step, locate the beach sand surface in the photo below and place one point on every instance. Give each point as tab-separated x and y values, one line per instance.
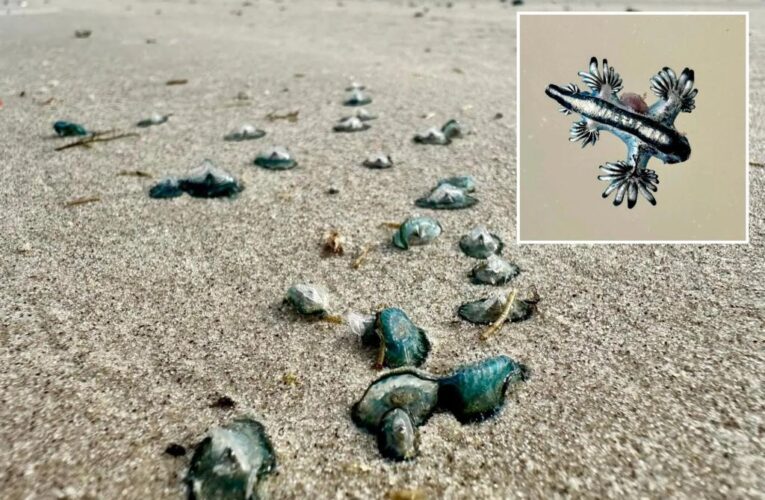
122	320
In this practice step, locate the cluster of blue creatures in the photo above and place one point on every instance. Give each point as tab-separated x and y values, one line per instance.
232	460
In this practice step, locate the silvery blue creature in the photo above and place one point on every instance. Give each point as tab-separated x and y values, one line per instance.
494	271
231	461
351	124
488	309
205	181
398	340
246	132
646	131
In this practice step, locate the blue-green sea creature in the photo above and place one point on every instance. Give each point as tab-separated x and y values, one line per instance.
479	243
397	403
230	462
452	129
464	182
154	119
488	310
351	124
401	342
412	390
357	98
416	231
378	160
440	137
209	181
433	136
446	197
477	391
69	129
397	436
494	271
355	86
362	114
168	187
246	132
204	181
309	300
276	158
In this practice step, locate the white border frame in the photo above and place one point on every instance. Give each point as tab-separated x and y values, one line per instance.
518	130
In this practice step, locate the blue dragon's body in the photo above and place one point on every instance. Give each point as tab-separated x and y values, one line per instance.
646	131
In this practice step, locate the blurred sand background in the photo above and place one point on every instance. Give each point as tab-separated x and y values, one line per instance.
122	320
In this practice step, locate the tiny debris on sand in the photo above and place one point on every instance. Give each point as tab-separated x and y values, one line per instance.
109	135
134	173
291	116
333	243
223	403
175	450
82	201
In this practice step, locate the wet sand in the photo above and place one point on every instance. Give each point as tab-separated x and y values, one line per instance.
123	319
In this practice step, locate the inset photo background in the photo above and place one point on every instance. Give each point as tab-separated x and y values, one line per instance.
703	199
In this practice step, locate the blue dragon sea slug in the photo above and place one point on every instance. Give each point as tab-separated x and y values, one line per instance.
647	131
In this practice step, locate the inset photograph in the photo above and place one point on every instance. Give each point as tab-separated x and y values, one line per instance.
632	127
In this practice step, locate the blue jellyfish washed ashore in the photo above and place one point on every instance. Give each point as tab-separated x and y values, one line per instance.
647	131
398	340
231	462
204	181
397	403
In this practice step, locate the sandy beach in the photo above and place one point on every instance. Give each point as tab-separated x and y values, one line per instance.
123	319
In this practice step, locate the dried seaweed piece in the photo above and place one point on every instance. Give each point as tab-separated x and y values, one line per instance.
291	116
106	136
333	243
82	201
